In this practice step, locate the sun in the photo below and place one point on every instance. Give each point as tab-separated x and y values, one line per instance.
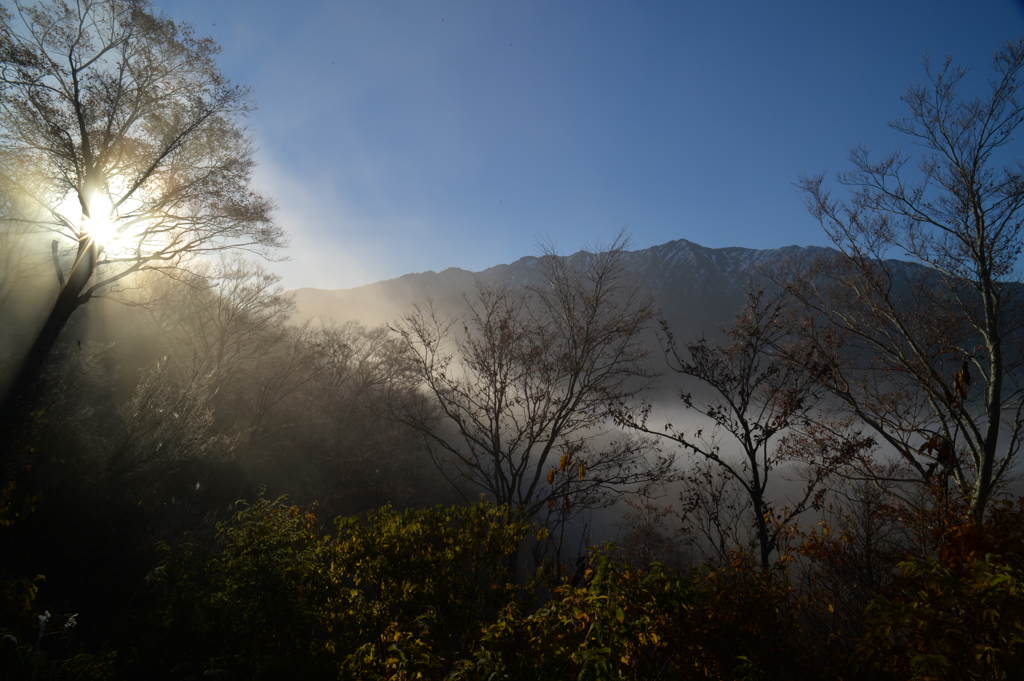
101	224
117	226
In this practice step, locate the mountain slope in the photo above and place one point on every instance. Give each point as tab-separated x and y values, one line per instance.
693	285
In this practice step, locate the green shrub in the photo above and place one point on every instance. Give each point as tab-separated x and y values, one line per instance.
631	623
396	595
949	623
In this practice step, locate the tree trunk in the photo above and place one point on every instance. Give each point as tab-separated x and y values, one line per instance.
763	539
69	299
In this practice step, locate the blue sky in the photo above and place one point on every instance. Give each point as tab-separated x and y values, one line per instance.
404	136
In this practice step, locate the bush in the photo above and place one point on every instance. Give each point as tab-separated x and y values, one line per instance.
393	596
632	623
946	623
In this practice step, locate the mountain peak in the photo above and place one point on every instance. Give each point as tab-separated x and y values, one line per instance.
689	281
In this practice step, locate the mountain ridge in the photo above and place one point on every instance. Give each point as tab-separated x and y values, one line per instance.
691	283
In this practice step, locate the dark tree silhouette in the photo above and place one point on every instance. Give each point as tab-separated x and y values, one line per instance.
760	412
524	382
122	142
930	357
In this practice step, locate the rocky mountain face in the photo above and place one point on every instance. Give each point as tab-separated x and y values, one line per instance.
694	286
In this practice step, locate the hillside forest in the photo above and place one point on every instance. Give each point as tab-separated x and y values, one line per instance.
564	469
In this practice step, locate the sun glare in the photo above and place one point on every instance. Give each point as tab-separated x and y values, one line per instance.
117	231
70	209
101	225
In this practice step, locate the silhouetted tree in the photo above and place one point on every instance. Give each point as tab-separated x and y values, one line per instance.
124	145
929	356
362	458
232	319
524	382
759	410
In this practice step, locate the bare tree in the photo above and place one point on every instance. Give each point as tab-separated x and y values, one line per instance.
225	315
362	458
167	420
355	367
646	535
128	145
759	409
929	356
232	319
524	380
715	513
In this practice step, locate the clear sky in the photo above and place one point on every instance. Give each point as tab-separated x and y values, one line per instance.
409	135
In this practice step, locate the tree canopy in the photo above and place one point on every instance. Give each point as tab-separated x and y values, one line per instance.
120	141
